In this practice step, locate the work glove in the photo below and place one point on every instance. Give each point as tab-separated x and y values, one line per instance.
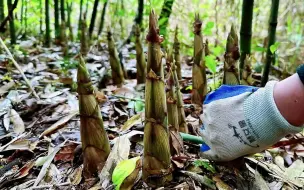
241	120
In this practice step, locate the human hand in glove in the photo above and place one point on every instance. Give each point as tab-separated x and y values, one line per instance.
241	120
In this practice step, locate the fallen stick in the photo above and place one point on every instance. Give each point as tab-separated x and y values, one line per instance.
19	69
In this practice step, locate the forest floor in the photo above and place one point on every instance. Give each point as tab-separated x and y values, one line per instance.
40	138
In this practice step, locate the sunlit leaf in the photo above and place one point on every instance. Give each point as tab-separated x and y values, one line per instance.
274	47
211	63
123	170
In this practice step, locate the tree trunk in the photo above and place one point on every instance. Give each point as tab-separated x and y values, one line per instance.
164	16
11	23
69	24
102	18
246	31
95	142
80	14
47	25
56	14
273	21
21	14
157	168
92	23
1	10
137	21
62	9
40	18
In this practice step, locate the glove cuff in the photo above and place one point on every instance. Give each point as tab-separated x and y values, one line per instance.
263	115
300	71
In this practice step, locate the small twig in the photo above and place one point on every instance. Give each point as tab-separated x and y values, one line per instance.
19	69
133	99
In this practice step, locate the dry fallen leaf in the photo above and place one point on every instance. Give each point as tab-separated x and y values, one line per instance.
59	124
17	122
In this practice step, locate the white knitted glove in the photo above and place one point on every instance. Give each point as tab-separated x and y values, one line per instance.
240	120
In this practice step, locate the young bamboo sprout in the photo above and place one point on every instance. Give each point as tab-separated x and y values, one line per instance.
177	59
232	54
173	125
247	72
180	106
117	70
95	142
140	58
199	80
83	39
156	162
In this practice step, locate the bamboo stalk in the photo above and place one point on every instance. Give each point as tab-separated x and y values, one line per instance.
199	79
117	70
232	54
246	32
273	21
83	38
11	23
56	15
19	69
95	142
157	169
182	125
177	59
47	25
63	38
102	18
140	58
94	13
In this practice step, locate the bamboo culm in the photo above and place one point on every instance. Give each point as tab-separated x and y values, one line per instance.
93	18
273	21
102	18
56	14
11	23
246	31
47	25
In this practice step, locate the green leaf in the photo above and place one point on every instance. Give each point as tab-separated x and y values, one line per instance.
211	63
189	87
123	170
139	106
218	50
274	47
205	164
208	28
258	48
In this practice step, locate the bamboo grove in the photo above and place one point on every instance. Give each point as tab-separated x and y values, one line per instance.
165	116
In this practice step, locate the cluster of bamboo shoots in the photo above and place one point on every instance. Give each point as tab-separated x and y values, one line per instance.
164	112
157	168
